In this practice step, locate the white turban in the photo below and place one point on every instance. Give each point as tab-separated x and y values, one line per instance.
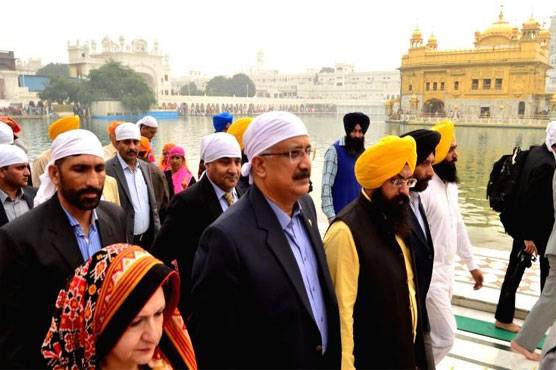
550	135
147	121
267	130
128	131
73	142
6	134
12	154
219	145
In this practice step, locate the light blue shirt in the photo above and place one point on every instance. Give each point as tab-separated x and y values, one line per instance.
220	194
139	194
414	204
88	244
302	248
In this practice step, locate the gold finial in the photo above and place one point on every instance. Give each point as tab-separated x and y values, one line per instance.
501	14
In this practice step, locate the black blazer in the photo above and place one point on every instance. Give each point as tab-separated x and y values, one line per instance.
114	169
28	194
250	307
38	253
189	214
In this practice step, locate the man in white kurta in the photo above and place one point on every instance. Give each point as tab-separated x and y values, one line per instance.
450	238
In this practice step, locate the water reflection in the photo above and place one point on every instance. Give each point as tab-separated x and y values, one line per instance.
478	148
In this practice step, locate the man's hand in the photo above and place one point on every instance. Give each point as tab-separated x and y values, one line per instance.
478	277
530	247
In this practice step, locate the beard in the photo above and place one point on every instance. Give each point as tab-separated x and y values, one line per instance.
77	197
421	185
355	145
447	171
396	211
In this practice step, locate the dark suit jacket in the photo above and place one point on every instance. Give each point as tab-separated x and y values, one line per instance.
38	253
28	194
114	169
250	307
189	214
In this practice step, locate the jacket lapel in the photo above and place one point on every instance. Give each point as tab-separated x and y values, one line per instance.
60	234
278	244
416	228
121	177
106	230
3	216
208	192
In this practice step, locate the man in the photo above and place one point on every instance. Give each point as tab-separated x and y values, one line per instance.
148	127
420	237
339	186
534	217
221	123
56	128
15	196
41	249
372	265
449	236
237	129
160	184
262	295
110	149
135	186
193	210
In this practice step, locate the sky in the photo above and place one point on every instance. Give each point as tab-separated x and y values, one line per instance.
222	37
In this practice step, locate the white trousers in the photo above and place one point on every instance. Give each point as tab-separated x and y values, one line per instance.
442	320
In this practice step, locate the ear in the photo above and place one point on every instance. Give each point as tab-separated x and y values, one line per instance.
258	167
54	174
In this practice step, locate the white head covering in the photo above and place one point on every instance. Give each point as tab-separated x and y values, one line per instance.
550	136
148	121
6	134
128	130
267	130
12	154
219	145
73	142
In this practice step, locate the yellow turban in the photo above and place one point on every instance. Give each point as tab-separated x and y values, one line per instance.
447	135
238	128
385	160
62	125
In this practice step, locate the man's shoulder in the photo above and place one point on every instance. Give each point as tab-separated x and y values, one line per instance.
110	208
30	191
30	222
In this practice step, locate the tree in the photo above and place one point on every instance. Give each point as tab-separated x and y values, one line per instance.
242	85
218	86
190	89
326	70
54	70
61	90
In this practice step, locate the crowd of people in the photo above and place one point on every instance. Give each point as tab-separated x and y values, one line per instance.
110	259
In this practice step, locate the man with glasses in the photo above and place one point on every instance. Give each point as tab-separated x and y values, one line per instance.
262	295
449	237
372	265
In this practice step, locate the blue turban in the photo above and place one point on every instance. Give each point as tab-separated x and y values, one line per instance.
221	120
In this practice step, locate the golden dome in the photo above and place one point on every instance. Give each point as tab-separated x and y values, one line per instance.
432	39
544	33
417	34
531	24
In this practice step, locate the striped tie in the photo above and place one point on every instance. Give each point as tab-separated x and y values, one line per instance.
229	197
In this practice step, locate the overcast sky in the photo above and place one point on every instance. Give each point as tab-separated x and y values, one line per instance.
222	37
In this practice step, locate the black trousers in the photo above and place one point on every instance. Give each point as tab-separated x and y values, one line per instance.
506	303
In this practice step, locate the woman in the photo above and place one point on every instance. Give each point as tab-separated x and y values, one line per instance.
178	175
119	311
165	160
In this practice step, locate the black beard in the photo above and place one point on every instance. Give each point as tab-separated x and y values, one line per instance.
74	197
396	211
447	171
355	145
421	185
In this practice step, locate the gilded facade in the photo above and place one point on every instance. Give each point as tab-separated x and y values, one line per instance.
503	76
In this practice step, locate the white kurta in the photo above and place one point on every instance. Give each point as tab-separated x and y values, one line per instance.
449	235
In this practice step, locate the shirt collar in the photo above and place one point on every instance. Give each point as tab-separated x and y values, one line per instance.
283	218
4	196
73	222
124	163
219	192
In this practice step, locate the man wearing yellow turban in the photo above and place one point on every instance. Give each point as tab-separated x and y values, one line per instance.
237	129
449	237
57	127
371	264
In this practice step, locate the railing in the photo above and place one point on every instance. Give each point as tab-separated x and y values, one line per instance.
534	121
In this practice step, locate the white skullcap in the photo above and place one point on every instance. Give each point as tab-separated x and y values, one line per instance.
128	131
148	121
550	135
6	134
267	130
73	142
12	154
220	145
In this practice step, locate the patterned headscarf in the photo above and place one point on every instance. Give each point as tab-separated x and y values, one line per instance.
103	297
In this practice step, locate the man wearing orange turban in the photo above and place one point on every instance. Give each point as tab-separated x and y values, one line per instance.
110	149
449	237
371	264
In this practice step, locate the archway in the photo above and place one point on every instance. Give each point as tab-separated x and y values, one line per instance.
521	108
434	106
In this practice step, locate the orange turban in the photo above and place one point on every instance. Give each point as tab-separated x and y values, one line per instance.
145	145
112	127
384	160
238	128
447	135
62	125
12	123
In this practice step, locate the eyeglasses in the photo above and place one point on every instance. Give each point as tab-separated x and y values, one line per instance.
411	182
295	155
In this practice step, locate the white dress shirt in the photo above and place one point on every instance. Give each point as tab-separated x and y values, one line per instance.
139	194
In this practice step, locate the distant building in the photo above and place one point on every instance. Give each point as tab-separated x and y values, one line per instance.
551	79
150	63
11	89
504	75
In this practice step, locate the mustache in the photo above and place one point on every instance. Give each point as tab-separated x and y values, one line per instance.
132	151
90	190
301	175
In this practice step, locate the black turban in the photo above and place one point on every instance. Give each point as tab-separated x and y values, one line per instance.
426	140
354	118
